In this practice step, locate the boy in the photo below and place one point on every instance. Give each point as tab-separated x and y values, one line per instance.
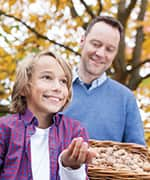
32	139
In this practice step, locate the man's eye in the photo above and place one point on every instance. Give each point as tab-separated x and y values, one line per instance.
96	45
110	49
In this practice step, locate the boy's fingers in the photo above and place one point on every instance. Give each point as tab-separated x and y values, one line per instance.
83	152
91	155
67	153
71	146
77	146
77	153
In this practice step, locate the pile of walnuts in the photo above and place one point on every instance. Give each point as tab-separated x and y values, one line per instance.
118	158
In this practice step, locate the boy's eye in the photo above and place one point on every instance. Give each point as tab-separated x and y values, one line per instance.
64	81
46	77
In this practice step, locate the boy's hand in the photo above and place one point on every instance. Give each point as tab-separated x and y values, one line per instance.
76	154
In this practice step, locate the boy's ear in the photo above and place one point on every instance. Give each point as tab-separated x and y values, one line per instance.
22	93
25	90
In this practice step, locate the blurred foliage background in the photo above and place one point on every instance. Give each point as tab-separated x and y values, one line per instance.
28	26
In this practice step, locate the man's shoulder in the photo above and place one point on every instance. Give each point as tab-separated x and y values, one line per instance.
117	86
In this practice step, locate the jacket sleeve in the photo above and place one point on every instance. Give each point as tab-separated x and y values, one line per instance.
3	142
80	131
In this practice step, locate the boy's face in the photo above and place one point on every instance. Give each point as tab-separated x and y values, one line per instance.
49	91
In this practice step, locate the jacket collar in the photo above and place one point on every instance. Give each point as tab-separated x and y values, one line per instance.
29	118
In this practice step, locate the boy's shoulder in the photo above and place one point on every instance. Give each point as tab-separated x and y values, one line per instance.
69	122
9	118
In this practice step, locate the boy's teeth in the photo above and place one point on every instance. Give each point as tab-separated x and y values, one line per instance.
56	99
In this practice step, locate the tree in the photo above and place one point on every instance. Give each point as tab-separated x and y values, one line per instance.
32	25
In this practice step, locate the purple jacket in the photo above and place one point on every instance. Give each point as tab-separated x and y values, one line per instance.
15	153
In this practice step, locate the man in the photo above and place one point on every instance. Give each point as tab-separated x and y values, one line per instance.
106	108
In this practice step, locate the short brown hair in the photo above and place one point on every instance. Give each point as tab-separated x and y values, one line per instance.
23	76
108	20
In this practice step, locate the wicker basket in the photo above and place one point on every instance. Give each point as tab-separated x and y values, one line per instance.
97	172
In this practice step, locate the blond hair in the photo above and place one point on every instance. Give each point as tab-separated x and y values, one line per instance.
24	71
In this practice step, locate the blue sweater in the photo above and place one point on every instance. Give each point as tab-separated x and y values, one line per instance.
109	112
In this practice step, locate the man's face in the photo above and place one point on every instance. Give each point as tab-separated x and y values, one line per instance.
99	49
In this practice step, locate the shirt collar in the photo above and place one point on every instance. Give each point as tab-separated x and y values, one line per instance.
57	118
29	118
97	82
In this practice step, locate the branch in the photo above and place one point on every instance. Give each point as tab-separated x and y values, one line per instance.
88	9
140	80
136	80
138	65
38	34
139	36
100	8
119	62
147	76
129	9
121	13
73	10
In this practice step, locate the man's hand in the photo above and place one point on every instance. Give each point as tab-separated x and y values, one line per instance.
76	154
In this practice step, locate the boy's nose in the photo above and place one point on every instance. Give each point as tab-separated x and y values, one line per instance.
56	85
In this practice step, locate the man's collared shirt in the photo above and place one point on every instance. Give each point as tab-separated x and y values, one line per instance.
97	82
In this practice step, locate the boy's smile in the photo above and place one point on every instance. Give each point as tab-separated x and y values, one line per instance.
53	99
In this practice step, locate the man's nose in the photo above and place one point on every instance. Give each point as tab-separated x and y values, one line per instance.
100	52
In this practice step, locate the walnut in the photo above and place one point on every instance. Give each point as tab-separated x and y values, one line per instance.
146	166
119	158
